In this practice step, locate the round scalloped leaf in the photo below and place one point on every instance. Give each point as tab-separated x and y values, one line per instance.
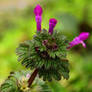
45	52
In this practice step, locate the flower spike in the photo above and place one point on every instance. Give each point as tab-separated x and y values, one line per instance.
52	24
79	40
38	16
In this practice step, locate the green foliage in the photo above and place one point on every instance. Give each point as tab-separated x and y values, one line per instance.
47	53
9	86
17	82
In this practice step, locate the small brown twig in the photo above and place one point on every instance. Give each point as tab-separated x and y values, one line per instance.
31	79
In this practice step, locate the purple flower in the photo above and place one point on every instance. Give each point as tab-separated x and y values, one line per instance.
38	16
79	40
52	24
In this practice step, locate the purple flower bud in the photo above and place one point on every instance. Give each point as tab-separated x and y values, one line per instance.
38	16
55	47
79	40
28	76
44	42
52	24
37	49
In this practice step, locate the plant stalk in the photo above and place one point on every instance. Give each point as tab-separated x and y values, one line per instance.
32	77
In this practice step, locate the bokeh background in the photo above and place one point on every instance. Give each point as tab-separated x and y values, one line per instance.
17	24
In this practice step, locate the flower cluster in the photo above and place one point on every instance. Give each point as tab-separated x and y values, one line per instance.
47	51
52	23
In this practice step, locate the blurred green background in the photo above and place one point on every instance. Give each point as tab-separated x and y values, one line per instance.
17	24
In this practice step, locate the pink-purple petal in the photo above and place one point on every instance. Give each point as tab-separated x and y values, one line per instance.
38	10
83	44
38	22
28	76
83	35
76	41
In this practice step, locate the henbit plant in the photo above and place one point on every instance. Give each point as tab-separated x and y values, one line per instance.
46	54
